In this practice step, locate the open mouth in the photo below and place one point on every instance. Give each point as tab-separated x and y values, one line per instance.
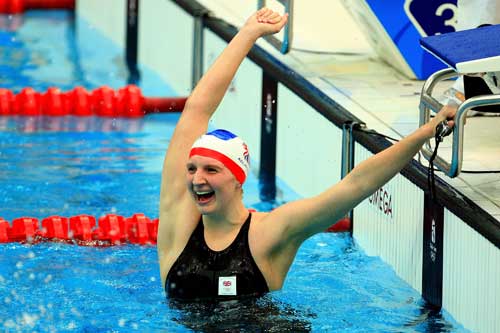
204	196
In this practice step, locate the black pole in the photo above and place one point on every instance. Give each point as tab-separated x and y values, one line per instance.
197	49
131	40
432	261
267	170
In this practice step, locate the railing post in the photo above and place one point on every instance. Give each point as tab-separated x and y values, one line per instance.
197	71
267	170
131	40
432	254
347	163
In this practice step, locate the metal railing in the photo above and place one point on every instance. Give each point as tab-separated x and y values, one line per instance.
428	103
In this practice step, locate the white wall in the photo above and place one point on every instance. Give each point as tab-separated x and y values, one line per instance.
107	16
166	42
395	236
160	47
308	146
471	276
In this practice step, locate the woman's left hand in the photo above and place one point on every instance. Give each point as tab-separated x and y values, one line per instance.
266	21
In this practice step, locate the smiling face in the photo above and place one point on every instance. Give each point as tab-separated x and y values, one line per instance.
212	186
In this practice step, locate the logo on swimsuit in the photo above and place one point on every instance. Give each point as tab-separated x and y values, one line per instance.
432	17
227	285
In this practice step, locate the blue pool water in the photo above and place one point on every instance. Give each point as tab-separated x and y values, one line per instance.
68	166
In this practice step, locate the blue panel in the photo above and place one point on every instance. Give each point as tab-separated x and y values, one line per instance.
406	27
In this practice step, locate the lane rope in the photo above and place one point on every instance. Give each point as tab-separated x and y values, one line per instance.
20	6
103	101
86	230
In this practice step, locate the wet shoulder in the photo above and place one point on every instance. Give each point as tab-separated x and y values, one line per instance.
259	225
259	217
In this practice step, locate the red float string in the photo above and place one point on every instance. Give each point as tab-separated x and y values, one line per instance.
104	101
110	230
20	6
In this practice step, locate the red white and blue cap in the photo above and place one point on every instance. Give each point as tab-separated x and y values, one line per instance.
226	148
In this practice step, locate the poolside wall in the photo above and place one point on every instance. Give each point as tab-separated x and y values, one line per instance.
309	142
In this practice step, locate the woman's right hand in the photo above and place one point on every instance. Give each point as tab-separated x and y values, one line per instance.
266	22
447	113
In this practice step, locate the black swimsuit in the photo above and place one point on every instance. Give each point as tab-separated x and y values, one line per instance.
201	273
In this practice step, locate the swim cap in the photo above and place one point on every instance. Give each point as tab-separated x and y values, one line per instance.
226	148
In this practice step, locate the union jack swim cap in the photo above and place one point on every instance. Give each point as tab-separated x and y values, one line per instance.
226	148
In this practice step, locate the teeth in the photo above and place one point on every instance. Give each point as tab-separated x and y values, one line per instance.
203	193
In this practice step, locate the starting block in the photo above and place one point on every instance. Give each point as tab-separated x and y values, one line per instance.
474	52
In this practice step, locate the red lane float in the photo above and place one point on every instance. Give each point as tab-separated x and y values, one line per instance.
23	229
81	227
4	231
155	104
19	6
6	101
137	229
81	104
342	225
104	101
82	230
55	227
27	103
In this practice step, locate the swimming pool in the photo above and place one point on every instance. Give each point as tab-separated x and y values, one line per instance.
69	166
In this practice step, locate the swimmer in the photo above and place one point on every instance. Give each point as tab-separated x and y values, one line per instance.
209	245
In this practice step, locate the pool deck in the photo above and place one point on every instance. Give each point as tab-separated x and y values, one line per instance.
387	102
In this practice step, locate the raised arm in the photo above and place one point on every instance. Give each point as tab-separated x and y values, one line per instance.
193	122
296	221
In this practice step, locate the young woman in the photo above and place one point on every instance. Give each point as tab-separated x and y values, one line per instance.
209	245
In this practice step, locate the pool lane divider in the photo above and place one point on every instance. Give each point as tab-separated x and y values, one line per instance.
342	225
20	6
103	101
110	230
